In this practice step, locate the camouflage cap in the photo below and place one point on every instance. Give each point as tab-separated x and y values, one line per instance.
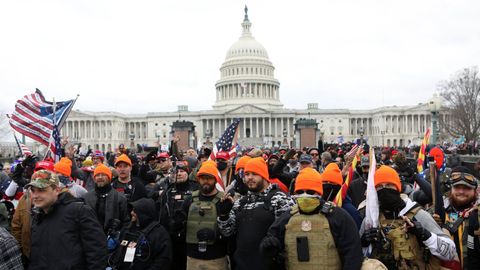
43	179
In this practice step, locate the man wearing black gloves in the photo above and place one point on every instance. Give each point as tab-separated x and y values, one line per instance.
253	214
408	235
315	234
206	247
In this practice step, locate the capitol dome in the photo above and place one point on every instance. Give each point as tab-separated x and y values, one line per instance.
247	75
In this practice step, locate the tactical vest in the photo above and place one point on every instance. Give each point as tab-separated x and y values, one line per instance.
459	229
321	246
403	248
202	215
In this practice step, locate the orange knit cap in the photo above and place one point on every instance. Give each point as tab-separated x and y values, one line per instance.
123	158
387	175
332	174
103	169
258	166
64	166
242	162
309	179
208	168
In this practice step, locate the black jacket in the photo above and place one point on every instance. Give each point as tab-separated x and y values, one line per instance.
133	191
153	248
347	240
114	206
69	236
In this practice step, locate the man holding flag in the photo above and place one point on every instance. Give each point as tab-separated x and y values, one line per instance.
397	230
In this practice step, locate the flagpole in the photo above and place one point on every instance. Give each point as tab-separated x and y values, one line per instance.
15	136
54	107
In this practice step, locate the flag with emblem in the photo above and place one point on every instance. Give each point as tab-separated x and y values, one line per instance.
421	154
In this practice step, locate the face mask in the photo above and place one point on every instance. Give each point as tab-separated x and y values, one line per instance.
221	165
390	200
307	203
330	191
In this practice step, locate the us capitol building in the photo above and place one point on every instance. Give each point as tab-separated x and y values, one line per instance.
247	89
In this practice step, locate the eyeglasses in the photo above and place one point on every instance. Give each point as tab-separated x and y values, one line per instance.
457	176
314	154
309	192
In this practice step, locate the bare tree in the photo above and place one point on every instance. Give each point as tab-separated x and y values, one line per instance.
462	100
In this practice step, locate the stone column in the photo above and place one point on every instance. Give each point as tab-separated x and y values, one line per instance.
244	127
256	125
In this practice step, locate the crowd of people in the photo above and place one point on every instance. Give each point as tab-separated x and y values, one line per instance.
254	209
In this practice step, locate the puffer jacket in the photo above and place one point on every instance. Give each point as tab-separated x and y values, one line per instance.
69	236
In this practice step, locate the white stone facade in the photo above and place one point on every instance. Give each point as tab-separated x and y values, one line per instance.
248	90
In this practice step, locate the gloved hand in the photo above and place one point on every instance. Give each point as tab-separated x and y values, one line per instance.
289	154
417	229
370	236
224	207
29	161
270	246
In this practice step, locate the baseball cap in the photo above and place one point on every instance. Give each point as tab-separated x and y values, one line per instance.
461	176
305	159
364	161
222	155
43	179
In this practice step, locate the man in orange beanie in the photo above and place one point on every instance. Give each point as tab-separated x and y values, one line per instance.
332	181
253	214
404	225
206	248
316	234
239	185
63	168
108	204
131	187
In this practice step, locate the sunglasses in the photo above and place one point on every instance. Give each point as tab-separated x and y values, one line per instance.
458	176
309	192
314	154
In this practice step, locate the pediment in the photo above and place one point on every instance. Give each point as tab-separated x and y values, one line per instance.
247	109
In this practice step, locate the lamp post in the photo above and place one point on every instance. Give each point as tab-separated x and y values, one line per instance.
361	131
131	136
284	133
435	104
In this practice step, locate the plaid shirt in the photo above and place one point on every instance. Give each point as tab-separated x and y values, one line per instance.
10	255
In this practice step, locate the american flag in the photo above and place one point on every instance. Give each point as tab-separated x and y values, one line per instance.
22	147
228	141
37	118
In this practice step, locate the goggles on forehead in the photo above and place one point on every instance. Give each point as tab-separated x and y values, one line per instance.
462	176
458	176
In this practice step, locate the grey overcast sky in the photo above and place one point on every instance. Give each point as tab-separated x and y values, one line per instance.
146	56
